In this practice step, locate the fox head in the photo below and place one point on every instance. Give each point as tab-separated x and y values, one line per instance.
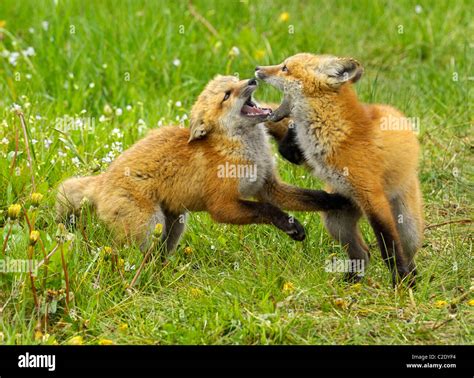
224	106
310	74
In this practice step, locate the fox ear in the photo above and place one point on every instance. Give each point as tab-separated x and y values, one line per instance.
343	70
197	129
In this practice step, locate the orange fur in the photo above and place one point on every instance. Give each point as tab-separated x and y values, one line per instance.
175	170
347	144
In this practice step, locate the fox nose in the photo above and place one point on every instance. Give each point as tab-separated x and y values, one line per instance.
257	68
252	82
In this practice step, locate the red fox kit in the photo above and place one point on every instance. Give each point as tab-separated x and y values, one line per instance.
353	148
215	166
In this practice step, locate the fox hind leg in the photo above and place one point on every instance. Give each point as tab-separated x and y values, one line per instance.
342	226
408	213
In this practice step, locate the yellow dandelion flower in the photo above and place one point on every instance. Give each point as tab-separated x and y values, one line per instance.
108	250
188	251
121	264
196	292
356	286
36	199
76	340
259	54
471	302
441	304
123	327
3	23
158	230
105	342
341	303
34	237
288	287
284	17
38	335
14	211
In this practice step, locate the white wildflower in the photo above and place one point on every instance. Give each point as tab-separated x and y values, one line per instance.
45	25
178	104
176	62
418	9
129	107
107	109
141	126
12	59
118	112
117	147
5	141
117	133
16	107
102	118
47	143
234	51
76	161
91	85
109	157
30	51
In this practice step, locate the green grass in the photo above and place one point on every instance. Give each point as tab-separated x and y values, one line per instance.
97	55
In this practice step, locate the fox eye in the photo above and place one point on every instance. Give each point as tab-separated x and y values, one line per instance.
227	95
284	68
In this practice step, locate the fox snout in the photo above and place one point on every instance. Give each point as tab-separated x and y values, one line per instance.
259	74
263	72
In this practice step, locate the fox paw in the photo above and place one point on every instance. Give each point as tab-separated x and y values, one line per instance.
296	230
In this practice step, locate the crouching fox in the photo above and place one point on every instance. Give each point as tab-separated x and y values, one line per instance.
217	165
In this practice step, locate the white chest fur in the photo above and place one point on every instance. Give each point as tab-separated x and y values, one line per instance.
315	152
260	161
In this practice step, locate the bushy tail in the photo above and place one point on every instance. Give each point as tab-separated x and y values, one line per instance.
72	193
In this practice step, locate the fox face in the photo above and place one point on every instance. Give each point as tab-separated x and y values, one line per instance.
308	74
225	105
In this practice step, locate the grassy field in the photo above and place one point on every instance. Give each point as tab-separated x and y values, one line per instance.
92	77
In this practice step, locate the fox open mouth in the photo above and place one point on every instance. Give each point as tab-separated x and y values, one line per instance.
250	109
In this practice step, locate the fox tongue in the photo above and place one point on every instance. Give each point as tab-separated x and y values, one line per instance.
250	110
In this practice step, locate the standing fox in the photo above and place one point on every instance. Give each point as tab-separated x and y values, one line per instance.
359	150
215	166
